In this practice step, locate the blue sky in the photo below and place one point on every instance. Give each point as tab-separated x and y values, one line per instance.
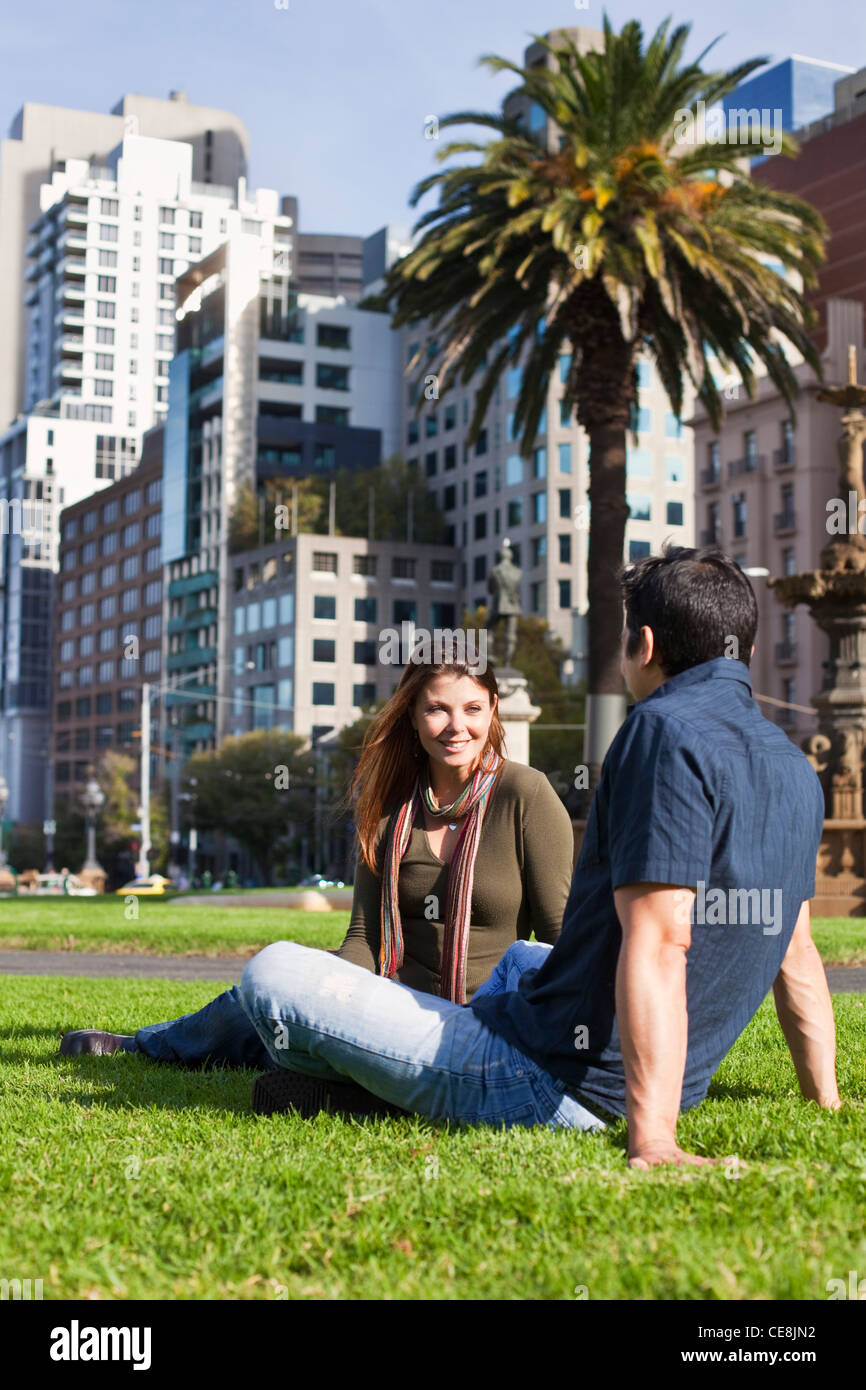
335	93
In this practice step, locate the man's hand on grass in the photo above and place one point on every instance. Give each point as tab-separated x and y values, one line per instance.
654	1155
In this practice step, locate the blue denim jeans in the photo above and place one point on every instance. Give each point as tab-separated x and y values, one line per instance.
218	1033
321	1015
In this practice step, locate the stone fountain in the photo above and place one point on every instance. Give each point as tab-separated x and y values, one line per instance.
836	598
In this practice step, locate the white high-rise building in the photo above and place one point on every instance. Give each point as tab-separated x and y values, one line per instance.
104	254
105	249
40	141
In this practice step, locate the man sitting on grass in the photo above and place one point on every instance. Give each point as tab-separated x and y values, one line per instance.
688	903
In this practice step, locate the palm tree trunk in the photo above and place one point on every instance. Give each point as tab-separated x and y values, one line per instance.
606	702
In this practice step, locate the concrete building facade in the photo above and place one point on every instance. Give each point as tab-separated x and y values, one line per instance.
108	630
266	382
763	487
316	623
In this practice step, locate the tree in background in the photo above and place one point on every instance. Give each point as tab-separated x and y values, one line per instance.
601	233
394	483
541	655
255	788
118	844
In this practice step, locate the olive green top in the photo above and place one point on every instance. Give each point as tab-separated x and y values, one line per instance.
522	880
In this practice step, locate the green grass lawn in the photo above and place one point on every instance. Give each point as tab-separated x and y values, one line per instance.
172	927
124	1179
169	928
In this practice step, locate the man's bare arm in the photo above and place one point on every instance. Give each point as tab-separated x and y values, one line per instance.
652	1016
806	1015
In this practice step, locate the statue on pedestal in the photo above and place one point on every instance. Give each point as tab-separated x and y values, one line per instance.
503	583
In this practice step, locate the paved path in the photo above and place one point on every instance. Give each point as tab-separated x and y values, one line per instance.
842	979
335	897
141	967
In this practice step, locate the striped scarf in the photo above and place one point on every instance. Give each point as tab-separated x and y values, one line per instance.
461	872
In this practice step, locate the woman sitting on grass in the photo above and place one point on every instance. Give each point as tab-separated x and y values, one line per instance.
462	853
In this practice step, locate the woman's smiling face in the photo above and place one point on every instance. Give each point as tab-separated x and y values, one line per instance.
452	716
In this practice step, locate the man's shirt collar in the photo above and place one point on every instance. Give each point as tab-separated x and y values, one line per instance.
719	668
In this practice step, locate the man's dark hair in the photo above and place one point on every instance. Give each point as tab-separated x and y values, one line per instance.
695	601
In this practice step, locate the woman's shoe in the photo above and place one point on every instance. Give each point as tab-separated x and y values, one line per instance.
90	1040
277	1091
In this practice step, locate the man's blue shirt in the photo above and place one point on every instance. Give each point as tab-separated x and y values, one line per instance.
697	789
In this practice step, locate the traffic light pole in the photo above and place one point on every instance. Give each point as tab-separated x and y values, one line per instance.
142	868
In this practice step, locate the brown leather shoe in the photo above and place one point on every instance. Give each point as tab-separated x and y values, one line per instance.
96	1043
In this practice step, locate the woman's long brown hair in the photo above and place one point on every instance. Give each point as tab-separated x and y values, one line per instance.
388	766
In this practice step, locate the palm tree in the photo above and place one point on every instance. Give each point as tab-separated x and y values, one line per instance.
617	239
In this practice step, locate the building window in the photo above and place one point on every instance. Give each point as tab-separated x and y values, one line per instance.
638	550
324	649
364	694
364	653
539	463
331	378
565	458
638	463
366	610
323	693
673	426
364	564
332	415
324	562
513	470
332	335
479	568
405	610
674	513
750	449
565	593
565	549
324	456
402	567
739	507
325	607
479	526
639	506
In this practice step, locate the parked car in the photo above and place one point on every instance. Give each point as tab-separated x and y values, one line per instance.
155	885
52	885
319	881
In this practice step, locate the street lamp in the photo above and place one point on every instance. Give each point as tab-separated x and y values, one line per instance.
4	797
92	800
